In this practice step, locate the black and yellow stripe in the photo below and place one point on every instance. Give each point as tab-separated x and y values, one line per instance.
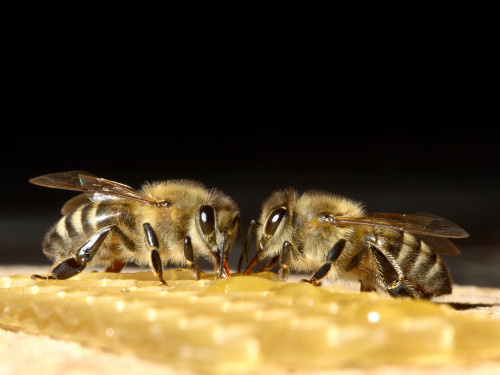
422	267
72	230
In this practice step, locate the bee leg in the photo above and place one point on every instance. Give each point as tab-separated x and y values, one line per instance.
155	262
72	266
246	242
269	265
259	255
251	265
116	266
332	256
390	277
366	287
64	270
284	259
189	254
157	266
400	290
43	277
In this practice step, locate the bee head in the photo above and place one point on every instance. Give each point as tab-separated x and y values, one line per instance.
276	217
217	224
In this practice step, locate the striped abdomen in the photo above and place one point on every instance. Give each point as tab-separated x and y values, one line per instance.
423	271
72	230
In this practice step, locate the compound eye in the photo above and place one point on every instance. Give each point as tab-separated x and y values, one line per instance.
274	220
207	219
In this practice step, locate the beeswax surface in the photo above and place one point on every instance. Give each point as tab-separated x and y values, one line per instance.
248	324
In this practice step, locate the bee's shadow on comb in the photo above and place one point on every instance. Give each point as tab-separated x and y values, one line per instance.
464	306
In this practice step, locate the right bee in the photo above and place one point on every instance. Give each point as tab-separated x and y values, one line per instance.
334	237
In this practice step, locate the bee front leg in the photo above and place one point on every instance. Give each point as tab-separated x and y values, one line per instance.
189	254
155	260
245	243
325	268
72	266
269	265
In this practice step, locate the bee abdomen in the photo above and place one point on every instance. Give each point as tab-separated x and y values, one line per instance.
60	239
409	249
423	267
72	230
87	216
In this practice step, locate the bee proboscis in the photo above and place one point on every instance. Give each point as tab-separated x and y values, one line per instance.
334	237
112	224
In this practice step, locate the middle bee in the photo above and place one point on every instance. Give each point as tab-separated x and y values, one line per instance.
111	224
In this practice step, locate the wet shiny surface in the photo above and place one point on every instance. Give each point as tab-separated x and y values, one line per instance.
245	324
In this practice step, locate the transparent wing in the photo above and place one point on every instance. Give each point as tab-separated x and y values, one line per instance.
63	180
422	223
439	245
98	188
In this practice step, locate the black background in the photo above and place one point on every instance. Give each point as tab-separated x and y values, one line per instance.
393	161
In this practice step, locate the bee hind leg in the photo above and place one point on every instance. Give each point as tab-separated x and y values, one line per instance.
73	266
390	277
64	270
400	290
69	268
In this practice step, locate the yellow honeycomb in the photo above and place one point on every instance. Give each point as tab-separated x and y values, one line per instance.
244	324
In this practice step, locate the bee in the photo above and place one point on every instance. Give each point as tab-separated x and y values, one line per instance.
111	224
332	236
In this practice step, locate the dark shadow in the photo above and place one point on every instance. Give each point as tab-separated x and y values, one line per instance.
463	306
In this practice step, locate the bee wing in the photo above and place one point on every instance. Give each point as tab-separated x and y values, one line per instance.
439	245
423	224
98	188
63	180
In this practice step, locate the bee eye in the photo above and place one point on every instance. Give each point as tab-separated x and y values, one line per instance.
207	219
274	220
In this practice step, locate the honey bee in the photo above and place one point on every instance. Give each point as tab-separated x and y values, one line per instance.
111	224
332	236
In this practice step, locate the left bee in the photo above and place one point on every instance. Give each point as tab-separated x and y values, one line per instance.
111	224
